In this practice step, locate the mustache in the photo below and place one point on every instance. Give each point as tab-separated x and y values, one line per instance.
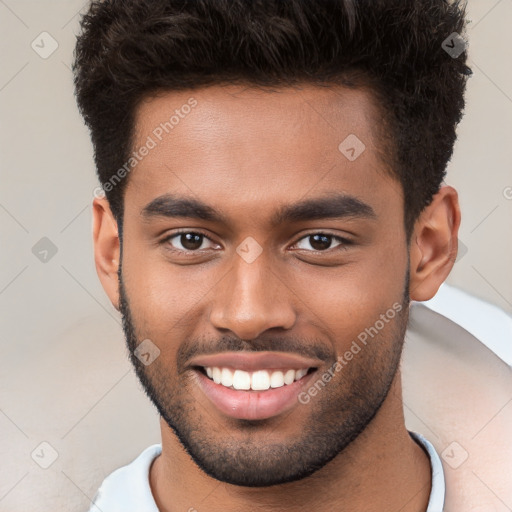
310	348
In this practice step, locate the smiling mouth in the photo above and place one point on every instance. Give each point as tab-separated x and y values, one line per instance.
258	380
253	386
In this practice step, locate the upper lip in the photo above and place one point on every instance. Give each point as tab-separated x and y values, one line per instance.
251	361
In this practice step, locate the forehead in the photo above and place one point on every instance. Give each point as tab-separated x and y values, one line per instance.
246	146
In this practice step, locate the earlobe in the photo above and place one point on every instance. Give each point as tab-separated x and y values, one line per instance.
106	248
433	247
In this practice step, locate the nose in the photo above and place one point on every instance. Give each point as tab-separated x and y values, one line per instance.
252	299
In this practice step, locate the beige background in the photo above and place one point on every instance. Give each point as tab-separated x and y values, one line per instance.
64	375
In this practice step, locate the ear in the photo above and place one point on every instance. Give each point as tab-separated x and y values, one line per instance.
106	248
434	244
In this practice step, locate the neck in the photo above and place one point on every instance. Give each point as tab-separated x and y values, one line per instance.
382	469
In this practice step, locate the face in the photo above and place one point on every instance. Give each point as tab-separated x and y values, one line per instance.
262	245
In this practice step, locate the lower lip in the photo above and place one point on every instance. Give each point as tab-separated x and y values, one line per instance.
252	405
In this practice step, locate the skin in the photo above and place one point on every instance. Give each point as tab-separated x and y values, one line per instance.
246	152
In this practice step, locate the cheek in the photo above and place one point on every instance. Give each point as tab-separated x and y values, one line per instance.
163	297
350	299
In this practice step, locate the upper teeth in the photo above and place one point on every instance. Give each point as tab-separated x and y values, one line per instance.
258	381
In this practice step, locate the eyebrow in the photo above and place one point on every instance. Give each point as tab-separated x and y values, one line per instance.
332	206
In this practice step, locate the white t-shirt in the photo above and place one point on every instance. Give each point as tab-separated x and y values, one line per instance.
127	489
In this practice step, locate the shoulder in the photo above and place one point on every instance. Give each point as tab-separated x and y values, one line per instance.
127	488
458	393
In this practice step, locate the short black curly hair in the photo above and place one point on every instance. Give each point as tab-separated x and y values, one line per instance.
129	49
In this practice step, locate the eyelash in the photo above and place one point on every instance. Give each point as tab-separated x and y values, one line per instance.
344	242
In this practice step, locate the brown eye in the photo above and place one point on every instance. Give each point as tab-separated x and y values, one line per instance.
186	241
321	242
191	241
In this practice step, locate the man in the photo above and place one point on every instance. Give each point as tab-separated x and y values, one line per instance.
273	202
